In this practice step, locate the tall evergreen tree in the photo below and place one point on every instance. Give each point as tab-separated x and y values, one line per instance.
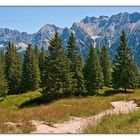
105	62
76	67
3	81
36	52
93	73
125	73
13	69
42	65
2	56
27	70
57	71
35	68
30	70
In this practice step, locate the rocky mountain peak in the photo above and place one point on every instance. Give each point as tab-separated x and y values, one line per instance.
90	30
88	20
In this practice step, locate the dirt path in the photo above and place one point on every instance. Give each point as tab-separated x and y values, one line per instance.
76	125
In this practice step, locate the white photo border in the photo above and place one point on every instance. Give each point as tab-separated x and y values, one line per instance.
69	3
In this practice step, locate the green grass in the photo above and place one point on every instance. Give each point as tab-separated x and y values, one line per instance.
14	101
117	124
57	111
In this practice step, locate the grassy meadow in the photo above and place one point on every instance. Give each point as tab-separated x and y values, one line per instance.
21	108
117	124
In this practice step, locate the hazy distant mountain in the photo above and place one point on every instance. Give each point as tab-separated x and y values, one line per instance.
89	31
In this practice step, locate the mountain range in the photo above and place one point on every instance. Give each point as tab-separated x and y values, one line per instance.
90	31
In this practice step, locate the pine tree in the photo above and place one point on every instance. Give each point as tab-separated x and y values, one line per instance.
35	68
42	65
76	67
2	56
93	73
36	52
30	70
3	81
125	73
57	71
13	69
105	62
26	70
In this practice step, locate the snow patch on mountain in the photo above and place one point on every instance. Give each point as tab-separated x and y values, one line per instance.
95	37
21	46
2	46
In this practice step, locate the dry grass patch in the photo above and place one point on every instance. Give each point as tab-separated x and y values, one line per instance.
57	111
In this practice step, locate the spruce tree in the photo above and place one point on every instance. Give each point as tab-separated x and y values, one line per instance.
42	65
125	73
30	70
36	52
105	62
36	70
27	70
93	73
3	81
76	67
13	69
57	71
2	56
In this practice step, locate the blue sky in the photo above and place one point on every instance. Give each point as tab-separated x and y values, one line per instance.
31	19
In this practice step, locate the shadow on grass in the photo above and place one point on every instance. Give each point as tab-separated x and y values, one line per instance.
1	99
42	101
114	92
33	102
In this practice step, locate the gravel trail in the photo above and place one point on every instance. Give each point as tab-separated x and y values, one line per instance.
75	125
